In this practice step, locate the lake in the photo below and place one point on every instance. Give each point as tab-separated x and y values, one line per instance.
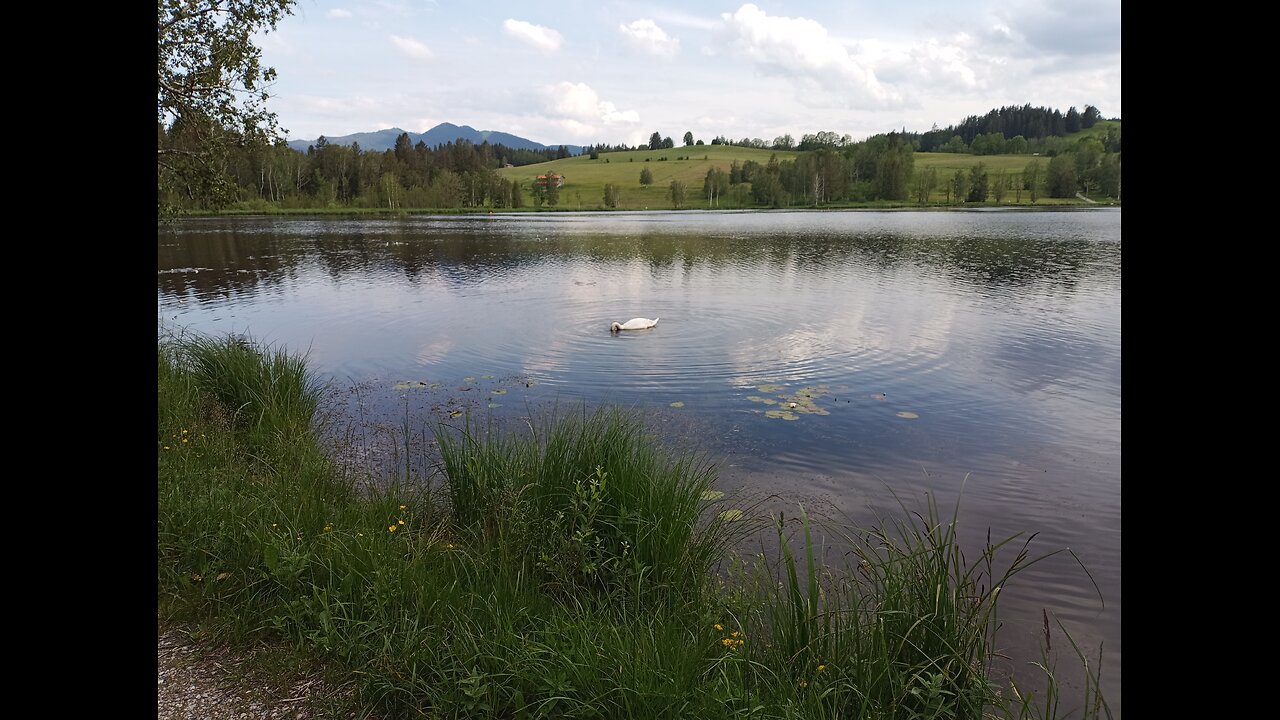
924	352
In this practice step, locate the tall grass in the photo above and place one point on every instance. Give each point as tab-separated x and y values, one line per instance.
905	629
591	502
573	571
267	392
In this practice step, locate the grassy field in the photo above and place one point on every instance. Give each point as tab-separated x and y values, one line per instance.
575	570
585	178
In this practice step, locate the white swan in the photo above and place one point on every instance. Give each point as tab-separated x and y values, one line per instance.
633	324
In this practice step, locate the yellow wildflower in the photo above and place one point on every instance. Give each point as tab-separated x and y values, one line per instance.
402	507
448	546
401	522
184	439
391	528
822	668
166	447
718	626
184	432
328	528
735	633
275	525
804	684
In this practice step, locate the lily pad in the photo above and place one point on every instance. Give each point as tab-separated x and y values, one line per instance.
455	413
731	515
804	400
487	377
495	405
781	414
409	385
770	387
469	378
907	414
499	391
712	494
677	403
765	400
878	396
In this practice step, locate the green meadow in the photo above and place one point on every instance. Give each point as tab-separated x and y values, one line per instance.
585	178
574	567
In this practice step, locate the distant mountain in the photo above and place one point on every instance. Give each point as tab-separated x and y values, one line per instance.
438	135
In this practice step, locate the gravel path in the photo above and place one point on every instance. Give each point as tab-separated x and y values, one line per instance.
195	683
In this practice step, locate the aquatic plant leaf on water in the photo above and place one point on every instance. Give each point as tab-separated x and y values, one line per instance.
765	400
710	495
499	391
469	378
455	413
495	405
878	396
411	384
907	414
487	377
677	403
781	414
731	515
770	387
805	400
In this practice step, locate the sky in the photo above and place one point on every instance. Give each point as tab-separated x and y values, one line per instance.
581	73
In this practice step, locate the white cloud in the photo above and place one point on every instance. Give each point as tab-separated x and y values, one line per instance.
1079	29
799	47
949	64
578	102
944	61
543	38
646	35
339	13
411	47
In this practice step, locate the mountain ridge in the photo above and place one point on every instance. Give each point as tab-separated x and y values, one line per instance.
385	139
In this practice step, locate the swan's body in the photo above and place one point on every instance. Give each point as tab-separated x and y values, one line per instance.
633	324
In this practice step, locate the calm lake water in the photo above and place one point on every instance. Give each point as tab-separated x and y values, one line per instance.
925	351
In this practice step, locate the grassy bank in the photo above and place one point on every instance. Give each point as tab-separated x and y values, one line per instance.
577	569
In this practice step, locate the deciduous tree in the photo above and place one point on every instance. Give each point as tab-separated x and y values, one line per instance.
960	186
211	85
978	183
1031	179
676	193
1061	176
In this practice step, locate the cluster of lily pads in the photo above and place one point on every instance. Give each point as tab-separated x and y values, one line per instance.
790	406
408	385
727	515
